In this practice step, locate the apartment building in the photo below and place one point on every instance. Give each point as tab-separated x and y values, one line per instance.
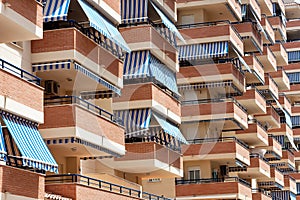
148	99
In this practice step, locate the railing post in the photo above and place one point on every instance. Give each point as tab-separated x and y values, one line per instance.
100	185
110	187
121	190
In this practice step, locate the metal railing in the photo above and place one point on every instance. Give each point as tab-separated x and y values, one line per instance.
21	73
256	155
221	139
211	180
61	100
260	190
104	185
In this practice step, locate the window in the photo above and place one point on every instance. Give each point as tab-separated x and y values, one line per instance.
187	19
194	173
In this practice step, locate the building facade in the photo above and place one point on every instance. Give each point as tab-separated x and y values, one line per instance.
149	99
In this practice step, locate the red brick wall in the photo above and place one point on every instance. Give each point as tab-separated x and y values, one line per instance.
80	192
22	183
70	115
209	148
70	38
21	91
205	32
207	109
29	9
114	4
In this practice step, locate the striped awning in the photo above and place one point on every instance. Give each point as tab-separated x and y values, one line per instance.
56	10
203	51
3	152
137	122
34	151
295	121
293	56
134	11
168	23
68	65
170	128
142	64
98	22
294	77
281	195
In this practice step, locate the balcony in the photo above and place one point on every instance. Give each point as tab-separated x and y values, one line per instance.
76	186
269	89
280	53
81	129
224	75
257	76
271	119
212	32
268	60
259	194
148	95
274	150
225	150
149	157
21	94
227	9
290	184
281	79
24	17
283	130
268	30
251	36
146	37
253	101
279	28
79	48
286	104
228	188
275	182
231	115
287	161
255	135
293	26
266	7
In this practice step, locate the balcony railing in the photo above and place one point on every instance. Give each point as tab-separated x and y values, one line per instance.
256	155
260	190
204	101
212	180
90	33
221	139
96	183
61	100
21	73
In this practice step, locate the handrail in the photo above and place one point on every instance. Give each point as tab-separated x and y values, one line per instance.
217	100
256	155
77	100
19	72
265	192
221	139
211	180
97	183
203	24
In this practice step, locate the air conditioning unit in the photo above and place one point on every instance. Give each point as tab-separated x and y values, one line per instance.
154	180
51	87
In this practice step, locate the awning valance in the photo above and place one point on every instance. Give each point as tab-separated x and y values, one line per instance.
56	10
138	122
68	65
142	64
203	50
33	150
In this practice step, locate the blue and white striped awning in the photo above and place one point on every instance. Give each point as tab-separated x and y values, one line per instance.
203	50
138	121
135	120
282	195
68	65
295	121
102	25
142	64
294	77
3	152
294	56
134	11
56	10
170	128
34	151
168	23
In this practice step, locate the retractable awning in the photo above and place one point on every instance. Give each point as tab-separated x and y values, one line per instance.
34	151
138	122
203	50
294	77
56	10
69	65
3	152
293	56
134	11
142	64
